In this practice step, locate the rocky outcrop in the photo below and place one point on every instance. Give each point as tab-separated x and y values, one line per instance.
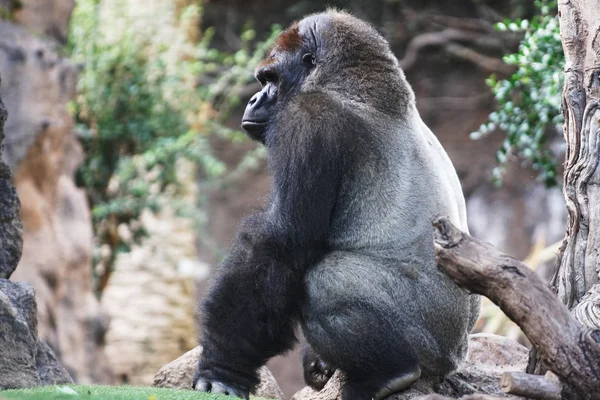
180	373
489	357
25	361
43	152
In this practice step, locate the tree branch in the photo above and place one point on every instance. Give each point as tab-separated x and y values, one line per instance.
448	39
568	348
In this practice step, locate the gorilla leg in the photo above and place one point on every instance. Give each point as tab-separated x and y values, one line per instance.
349	321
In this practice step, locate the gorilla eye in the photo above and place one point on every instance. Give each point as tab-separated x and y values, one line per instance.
309	60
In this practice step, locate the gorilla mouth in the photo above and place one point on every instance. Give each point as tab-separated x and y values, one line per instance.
254	126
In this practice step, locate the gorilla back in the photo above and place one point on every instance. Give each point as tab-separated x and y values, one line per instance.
345	245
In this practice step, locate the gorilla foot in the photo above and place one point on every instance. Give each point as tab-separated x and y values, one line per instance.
398	383
205	385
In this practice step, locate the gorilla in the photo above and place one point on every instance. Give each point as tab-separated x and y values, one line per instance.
344	248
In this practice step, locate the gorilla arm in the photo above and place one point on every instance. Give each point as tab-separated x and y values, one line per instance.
250	312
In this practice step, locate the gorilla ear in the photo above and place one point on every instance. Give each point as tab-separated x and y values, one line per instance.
309	60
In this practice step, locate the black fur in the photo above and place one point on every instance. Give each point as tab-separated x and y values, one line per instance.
316	370
255	303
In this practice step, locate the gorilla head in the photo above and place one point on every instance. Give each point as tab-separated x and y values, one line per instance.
331	52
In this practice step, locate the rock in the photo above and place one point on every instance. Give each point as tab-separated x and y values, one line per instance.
25	361
49	369
11	229
488	358
180	373
494	351
44	153
18	336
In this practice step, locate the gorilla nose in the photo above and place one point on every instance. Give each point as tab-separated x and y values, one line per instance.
257	100
257	110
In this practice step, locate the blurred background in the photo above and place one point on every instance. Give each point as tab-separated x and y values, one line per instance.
123	137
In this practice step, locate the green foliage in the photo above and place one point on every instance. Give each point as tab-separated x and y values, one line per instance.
146	101
529	100
81	392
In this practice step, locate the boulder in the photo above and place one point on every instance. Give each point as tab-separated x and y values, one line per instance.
488	358
18	336
180	373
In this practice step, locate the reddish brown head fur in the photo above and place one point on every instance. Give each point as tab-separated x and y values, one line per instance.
290	39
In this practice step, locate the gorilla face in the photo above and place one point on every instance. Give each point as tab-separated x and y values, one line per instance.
282	74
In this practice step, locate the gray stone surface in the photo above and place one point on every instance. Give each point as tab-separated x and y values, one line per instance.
18	336
49	369
11	230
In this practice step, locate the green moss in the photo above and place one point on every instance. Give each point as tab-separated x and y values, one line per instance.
79	392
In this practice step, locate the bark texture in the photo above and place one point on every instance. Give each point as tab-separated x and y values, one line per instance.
579	258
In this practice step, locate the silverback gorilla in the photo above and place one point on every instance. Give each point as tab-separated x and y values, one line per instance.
344	247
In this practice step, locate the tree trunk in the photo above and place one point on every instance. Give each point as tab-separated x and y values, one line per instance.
576	278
